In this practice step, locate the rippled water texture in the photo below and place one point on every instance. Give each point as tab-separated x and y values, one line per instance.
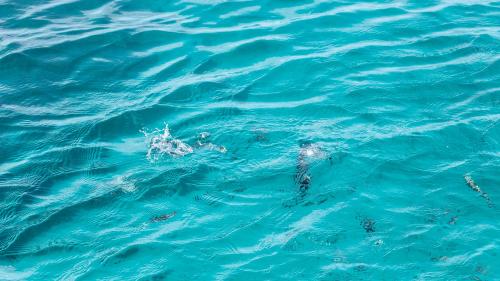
249	140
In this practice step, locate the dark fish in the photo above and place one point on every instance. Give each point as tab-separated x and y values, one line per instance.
302	177
204	141
368	225
470	182
453	220
163	217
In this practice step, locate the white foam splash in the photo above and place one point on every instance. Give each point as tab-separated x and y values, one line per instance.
311	151
161	142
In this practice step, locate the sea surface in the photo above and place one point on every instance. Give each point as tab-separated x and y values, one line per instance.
249	140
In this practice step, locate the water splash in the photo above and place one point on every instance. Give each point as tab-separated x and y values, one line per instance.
161	142
311	151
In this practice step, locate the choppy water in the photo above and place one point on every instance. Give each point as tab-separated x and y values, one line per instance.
249	140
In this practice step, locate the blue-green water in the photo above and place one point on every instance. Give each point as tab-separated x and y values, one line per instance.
249	140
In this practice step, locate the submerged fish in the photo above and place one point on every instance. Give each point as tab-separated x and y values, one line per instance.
302	176
367	223
470	182
203	141
163	217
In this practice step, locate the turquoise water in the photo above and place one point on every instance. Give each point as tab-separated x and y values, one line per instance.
249	140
